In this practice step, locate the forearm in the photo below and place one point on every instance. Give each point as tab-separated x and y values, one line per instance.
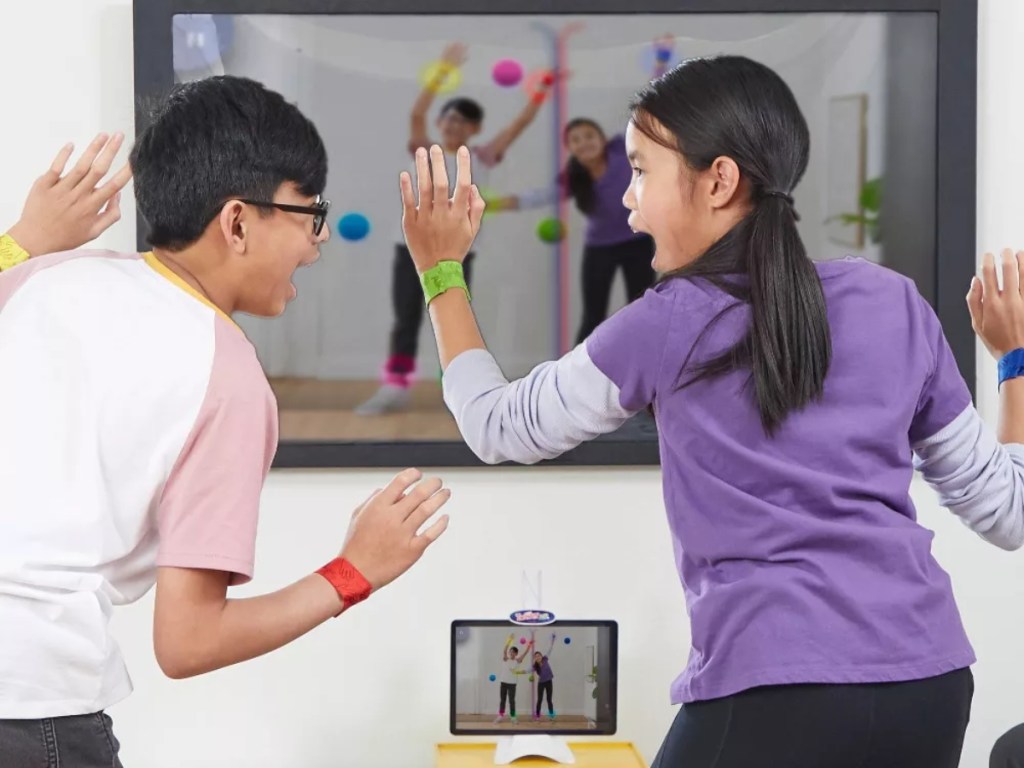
240	629
455	326
976	478
422	104
552	409
1011	411
538	198
418	117
507	203
506	138
529	112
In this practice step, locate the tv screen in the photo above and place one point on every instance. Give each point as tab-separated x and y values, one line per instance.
555	679
353	361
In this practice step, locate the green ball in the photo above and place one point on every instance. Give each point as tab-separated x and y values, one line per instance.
550	230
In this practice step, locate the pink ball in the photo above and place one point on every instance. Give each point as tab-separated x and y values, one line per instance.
507	72
522	640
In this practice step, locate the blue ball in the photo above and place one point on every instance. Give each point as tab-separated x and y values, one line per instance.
492	678
353	226
567	641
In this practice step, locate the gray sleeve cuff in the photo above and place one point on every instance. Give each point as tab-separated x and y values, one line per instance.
537	198
554	408
977	478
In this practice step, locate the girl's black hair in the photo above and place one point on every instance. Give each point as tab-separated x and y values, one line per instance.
734	107
577	178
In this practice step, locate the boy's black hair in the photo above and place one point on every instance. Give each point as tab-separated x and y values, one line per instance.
217	139
468	108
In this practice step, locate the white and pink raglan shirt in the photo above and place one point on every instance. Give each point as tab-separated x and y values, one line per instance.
136	430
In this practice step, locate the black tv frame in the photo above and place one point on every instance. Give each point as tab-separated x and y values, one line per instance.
956	163
613	677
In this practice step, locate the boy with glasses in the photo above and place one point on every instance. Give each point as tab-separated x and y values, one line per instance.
458	123
145	427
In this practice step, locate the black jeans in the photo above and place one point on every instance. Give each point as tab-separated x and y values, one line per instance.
600	262
508	690
407	306
917	724
547	687
80	741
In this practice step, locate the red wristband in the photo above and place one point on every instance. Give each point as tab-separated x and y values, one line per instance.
346	579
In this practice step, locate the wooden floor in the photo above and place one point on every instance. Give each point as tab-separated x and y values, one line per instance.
526	723
313	409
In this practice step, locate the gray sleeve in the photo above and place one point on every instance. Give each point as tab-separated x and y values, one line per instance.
977	478
554	408
537	198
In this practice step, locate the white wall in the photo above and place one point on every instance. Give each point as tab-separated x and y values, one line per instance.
371	688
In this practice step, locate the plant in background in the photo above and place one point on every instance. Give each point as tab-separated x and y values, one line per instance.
870	205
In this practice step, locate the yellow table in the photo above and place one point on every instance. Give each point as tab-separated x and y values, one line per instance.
589	754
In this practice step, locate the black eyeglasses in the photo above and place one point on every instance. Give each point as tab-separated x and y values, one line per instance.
318	210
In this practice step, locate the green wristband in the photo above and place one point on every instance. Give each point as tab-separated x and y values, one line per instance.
442	277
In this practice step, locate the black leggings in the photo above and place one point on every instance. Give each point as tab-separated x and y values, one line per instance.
407	305
917	724
546	687
509	690
1009	749
600	262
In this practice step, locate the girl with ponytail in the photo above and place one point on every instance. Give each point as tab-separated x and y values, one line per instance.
594	177
794	400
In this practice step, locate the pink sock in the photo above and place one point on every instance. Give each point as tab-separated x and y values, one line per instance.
396	379
398	371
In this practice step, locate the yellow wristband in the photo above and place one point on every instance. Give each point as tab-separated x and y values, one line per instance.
11	254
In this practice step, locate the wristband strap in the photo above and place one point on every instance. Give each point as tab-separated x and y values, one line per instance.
1011	365
347	581
445	276
11	254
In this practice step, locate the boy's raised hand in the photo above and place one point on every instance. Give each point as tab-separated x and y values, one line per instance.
455	54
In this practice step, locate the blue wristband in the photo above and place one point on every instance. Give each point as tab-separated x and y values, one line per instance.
1011	365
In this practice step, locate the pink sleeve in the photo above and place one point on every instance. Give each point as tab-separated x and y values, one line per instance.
209	508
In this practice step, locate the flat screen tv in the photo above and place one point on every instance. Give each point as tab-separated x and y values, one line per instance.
888	88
